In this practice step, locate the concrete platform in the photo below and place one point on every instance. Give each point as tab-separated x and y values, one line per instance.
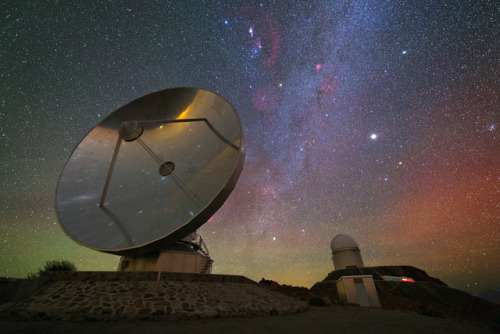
129	296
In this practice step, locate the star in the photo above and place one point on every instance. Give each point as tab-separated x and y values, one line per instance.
318	105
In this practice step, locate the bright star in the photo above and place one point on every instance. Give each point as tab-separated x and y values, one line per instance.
373	136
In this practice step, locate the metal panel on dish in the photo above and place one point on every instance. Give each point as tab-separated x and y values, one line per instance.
151	172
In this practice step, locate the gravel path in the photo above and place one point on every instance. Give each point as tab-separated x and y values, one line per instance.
330	319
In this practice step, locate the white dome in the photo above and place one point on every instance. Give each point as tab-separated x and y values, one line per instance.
343	241
346	253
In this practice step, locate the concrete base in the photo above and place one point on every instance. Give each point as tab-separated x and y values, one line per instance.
180	261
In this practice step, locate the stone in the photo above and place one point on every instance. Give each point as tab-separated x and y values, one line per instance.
144	311
139	296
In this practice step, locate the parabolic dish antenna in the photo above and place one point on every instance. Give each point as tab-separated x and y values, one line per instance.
152	172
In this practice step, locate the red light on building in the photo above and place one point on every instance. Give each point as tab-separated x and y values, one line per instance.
406	279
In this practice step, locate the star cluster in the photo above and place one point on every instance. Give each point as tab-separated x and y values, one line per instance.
374	119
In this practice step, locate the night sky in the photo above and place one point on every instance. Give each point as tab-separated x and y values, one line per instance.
377	119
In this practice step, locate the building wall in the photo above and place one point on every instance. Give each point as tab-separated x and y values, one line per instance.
170	261
347	291
371	291
341	289
181	262
347	258
350	291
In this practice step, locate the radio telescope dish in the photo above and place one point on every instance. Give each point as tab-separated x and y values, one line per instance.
151	172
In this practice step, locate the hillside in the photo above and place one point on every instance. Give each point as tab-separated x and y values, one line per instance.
428	295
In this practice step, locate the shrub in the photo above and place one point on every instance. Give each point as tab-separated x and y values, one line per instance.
430	311
317	301
54	265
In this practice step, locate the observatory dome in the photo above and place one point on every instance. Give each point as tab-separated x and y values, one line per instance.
345	253
343	241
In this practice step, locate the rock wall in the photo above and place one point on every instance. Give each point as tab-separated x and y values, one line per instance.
113	296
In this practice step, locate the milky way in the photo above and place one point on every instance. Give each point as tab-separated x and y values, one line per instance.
377	119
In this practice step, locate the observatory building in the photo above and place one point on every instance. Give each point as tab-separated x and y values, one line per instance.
345	253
